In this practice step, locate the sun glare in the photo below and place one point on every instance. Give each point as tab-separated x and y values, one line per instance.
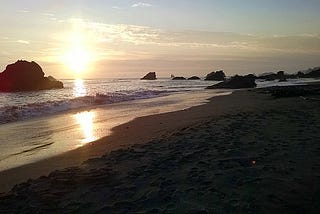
77	59
79	89
85	120
77	56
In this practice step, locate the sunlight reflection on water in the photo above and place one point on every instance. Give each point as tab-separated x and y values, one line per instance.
79	89
85	120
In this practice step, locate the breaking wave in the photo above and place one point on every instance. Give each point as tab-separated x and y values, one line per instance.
21	112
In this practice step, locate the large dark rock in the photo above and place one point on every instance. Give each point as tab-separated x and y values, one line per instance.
268	76
313	73
150	76
282	76
300	74
26	76
283	79
194	78
178	78
236	82
216	76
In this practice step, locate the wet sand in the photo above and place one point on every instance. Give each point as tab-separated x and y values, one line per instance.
242	153
67	136
29	141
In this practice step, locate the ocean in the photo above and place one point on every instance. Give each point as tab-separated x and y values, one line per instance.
42	124
87	94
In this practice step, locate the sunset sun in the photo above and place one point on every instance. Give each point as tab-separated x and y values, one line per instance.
77	59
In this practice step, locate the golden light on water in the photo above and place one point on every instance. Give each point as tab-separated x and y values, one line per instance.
85	120
79	90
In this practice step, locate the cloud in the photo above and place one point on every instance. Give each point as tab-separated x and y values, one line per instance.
296	43
141	4
23	42
117	33
123	34
122	44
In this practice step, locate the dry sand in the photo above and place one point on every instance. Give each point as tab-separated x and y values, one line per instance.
243	153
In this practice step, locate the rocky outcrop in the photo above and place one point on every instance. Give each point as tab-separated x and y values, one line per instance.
236	82
300	74
310	73
273	76
178	78
282	76
216	76
283	79
150	76
26	76
194	78
313	73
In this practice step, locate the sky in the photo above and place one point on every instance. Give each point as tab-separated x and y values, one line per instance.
127	38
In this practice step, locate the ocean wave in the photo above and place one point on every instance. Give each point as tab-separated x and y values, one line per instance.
26	111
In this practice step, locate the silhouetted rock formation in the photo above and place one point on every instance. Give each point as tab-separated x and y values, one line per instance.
281	76
272	76
236	82
26	76
194	78
178	78
283	79
300	74
150	76
312	73
216	76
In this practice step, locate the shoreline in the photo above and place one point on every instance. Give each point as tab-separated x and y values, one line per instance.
247	152
45	137
12	176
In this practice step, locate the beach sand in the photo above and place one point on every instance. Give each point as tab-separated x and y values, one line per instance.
243	153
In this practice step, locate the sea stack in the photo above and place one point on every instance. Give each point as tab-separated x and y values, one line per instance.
236	82
26	76
150	76
194	78
216	76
